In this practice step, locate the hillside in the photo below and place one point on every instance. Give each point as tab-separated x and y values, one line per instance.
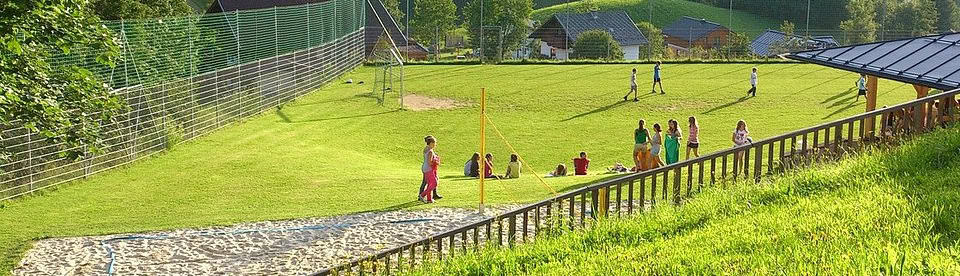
667	11
884	212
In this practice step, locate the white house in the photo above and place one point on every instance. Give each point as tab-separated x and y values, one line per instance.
558	34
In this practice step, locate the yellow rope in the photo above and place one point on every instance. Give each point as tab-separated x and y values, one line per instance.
527	165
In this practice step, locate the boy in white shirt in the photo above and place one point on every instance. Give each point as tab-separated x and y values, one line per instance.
753	83
633	86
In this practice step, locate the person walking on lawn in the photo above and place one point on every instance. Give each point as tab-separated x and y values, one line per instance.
633	86
656	79
431	161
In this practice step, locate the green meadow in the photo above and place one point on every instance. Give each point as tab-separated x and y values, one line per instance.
337	151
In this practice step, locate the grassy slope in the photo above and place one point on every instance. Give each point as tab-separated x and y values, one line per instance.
335	151
668	11
895	212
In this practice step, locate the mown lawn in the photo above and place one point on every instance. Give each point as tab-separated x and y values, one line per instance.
666	12
336	151
894	212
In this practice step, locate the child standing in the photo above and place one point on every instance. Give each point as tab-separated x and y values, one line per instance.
672	142
580	165
753	83
862	87
741	136
640	153
633	86
431	161
693	140
655	142
656	79
513	168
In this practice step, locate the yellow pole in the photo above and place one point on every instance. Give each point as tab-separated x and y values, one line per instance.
483	124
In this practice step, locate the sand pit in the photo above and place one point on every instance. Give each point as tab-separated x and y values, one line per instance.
420	103
294	247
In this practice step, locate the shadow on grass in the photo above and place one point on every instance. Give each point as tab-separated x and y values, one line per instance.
845	108
286	119
837	96
726	105
597	110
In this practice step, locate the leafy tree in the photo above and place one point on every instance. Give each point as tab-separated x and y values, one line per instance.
862	25
139	9
509	18
949	17
737	45
656	47
395	9
912	18
433	19
787	28
597	44
66	104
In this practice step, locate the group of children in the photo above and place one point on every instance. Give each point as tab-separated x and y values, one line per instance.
647	146
754	81
472	167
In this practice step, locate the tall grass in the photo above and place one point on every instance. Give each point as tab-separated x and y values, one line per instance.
893	211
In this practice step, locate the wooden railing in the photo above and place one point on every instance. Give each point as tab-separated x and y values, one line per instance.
629	194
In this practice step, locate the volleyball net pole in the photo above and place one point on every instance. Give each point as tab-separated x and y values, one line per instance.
483	127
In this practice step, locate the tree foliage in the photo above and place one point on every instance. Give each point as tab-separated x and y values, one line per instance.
395	9
737	45
949	17
432	19
656	47
505	25
862	25
911	18
597	44
139	9
68	104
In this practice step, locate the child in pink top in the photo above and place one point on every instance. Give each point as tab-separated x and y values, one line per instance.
693	140
431	161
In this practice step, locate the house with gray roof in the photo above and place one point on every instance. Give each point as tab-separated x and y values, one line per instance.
768	42
689	32
560	32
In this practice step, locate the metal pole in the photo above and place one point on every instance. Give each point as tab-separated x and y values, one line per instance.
483	160
481	31
276	57
730	14
238	80
808	18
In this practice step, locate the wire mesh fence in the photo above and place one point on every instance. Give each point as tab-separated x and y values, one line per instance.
188	76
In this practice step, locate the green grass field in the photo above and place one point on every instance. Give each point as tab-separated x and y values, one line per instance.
668	11
893	212
336	151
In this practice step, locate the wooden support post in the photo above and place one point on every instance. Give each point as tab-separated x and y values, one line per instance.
871	103
922	91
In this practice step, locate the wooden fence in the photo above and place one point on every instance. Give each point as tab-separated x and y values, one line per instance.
634	193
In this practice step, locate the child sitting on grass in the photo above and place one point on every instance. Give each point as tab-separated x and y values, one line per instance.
513	168
561	170
488	169
580	165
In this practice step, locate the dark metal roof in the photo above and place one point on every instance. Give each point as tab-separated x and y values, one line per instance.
761	45
618	24
932	61
692	29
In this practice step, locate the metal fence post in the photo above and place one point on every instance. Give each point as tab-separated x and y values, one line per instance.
239	78
30	159
276	41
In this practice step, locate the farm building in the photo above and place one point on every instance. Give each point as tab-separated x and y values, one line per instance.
558	34
768	42
688	32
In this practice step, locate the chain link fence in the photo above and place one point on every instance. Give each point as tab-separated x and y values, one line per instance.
188	76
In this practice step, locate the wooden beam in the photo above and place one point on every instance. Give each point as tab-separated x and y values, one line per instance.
921	114
871	104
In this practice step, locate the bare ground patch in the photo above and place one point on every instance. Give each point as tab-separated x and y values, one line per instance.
420	103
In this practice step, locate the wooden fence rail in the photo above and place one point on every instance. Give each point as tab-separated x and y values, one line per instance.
672	184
